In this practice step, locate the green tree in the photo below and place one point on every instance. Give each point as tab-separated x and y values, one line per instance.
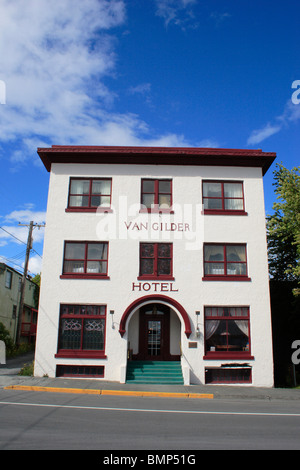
37	280
283	227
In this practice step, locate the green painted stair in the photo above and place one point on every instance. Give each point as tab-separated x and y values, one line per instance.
154	372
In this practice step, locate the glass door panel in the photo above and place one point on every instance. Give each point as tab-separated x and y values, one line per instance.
154	337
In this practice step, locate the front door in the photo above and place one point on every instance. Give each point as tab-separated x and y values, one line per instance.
154	334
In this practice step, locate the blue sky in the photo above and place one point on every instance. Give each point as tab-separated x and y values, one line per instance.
214	73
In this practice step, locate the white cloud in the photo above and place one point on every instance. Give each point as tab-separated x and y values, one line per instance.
35	264
208	143
14	237
219	18
259	135
26	215
12	232
291	114
18	235
178	12
142	88
54	57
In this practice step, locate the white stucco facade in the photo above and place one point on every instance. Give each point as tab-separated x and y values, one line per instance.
188	229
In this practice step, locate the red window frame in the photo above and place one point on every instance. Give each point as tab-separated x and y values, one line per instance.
155	274
156	207
226	351
85	274
67	312
89	207
226	275
223	210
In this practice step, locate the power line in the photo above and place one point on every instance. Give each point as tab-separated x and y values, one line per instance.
12	262
13	235
36	225
18	256
36	252
15	265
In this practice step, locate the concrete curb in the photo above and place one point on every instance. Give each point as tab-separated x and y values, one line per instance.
110	392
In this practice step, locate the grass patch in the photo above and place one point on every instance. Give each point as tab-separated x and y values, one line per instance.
27	370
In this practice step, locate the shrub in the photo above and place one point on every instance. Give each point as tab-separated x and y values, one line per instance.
5	336
27	369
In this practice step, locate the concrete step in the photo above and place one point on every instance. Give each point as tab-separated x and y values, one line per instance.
154	372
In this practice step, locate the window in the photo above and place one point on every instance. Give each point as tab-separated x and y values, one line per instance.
8	279
227	332
156	260
225	262
156	195
85	259
223	197
80	371
81	331
237	375
14	312
89	194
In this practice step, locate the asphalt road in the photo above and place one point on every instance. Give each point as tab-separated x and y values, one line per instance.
56	421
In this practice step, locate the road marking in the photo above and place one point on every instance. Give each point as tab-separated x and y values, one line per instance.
109	392
144	410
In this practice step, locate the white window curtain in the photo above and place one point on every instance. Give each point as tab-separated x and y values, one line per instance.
211	327
101	187
243	326
235	253
81	189
233	190
214	253
212	190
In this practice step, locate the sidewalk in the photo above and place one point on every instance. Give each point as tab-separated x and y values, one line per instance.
9	379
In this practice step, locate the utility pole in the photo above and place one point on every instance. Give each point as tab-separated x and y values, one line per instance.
23	281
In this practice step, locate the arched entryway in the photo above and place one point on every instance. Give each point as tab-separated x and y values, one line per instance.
154	333
154	326
161	299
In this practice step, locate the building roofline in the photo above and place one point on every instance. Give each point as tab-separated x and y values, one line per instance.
186	156
4	267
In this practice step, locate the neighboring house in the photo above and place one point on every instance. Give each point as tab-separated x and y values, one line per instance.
10	282
155	266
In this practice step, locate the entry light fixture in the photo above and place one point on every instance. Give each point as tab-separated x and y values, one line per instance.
112	318
197	324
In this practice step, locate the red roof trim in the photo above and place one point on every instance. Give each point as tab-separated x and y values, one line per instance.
156	156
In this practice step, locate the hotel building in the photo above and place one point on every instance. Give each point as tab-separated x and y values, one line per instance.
155	266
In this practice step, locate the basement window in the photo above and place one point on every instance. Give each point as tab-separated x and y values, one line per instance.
80	371
230	375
